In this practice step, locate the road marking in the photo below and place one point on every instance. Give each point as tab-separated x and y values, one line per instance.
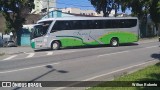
30	55
28	68
151	47
49	53
112	53
9	58
64	52
127	51
89	79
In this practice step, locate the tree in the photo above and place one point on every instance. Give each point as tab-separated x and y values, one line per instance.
155	13
139	8
15	11
103	5
107	5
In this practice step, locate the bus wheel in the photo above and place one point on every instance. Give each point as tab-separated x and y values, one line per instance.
55	45
114	42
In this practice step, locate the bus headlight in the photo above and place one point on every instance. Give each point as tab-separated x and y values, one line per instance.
32	40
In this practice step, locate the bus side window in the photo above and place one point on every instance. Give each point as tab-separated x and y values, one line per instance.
76	24
84	24
56	26
90	24
108	24
115	23
61	25
133	22
67	25
122	23
99	24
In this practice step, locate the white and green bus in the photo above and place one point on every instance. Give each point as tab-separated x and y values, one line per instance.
55	33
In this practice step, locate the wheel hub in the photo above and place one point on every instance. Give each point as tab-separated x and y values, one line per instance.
55	45
114	42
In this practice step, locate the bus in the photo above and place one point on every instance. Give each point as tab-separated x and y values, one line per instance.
55	33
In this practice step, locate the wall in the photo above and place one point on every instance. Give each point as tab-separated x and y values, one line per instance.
2	23
1	40
25	35
82	12
57	13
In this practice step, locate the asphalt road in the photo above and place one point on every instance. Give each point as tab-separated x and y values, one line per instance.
77	64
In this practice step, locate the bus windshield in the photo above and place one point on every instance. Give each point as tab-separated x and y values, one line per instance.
37	31
40	30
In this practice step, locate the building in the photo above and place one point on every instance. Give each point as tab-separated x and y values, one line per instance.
90	12
82	12
78	11
43	4
59	13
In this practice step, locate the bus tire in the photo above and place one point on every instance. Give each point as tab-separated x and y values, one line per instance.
114	42
55	45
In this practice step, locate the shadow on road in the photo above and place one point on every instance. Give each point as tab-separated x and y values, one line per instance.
41	50
156	56
129	44
99	46
88	46
50	71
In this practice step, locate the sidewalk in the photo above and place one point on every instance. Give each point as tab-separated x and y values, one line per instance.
147	40
15	50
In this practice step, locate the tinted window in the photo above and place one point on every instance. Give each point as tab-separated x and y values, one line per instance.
107	23
61	25
93	24
45	25
76	24
84	24
132	22
96	24
45	22
79	24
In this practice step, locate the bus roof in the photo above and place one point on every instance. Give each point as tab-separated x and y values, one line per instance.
85	18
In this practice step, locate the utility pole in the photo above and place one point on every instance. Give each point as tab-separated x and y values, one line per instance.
48	8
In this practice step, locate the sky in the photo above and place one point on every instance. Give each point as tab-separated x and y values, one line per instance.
82	4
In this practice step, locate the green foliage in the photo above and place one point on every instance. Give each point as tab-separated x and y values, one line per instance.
103	5
15	11
150	73
107	5
155	10
139	8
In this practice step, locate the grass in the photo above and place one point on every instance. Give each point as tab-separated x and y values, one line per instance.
150	73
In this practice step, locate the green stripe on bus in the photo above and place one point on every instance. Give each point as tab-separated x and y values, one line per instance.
124	37
33	45
75	41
